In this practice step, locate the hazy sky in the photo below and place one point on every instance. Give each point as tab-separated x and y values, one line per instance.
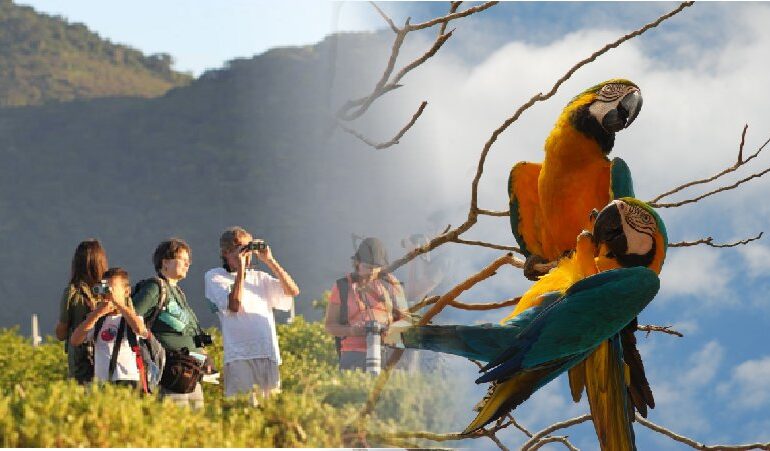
698	93
204	34
702	75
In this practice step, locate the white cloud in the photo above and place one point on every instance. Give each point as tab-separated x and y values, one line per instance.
679	390
748	386
696	272
757	259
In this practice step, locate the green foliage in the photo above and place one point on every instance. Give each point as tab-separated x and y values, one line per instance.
40	408
44	59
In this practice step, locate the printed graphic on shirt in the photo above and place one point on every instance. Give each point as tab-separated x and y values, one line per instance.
108	334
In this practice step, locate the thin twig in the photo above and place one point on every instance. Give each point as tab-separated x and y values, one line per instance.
555	438
554	427
710	193
653	328
394	140
709	241
541	97
385	16
482	211
453	16
473	212
693	444
489	245
439	305
740	162
484	306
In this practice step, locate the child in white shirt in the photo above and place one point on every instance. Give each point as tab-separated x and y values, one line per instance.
116	310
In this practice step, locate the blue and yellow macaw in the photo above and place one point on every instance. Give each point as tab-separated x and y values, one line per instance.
568	315
550	201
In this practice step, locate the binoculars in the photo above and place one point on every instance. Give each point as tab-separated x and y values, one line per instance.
256	245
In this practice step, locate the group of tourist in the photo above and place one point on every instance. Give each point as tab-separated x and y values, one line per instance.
100	317
103	317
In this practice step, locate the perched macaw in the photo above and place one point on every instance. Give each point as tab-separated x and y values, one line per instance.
550	201
566	316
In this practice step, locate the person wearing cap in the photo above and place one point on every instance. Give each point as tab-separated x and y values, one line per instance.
372	295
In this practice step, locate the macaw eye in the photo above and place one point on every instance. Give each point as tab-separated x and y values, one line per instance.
611	92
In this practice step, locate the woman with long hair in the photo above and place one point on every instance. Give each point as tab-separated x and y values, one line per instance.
88	265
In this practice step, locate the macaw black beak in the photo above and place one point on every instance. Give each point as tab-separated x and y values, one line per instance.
625	113
608	229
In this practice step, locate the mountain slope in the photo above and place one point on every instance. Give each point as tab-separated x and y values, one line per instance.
45	59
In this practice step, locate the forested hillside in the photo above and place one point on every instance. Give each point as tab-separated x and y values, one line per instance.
46	59
252	144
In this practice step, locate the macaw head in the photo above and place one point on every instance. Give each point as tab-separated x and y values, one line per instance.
604	109
628	232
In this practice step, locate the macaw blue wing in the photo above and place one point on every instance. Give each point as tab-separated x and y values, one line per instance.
482	342
621	182
589	312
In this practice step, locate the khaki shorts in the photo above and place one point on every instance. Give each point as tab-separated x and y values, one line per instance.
193	399
241	376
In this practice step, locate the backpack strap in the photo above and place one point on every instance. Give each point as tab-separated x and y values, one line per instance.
98	326
161	300
116	348
133	343
343	285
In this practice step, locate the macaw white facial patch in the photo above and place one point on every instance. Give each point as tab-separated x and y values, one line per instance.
639	226
607	99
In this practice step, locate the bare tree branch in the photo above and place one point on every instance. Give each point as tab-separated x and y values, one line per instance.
653	328
541	97
489	245
481	211
552	439
710	193
710	242
740	162
453	16
692	443
452	234
394	140
554	427
354	109
390	22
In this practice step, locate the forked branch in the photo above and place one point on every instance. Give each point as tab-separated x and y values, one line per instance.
355	108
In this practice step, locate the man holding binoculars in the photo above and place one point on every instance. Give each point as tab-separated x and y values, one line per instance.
244	299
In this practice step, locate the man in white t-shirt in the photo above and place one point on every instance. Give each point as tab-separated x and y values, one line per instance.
244	300
115	311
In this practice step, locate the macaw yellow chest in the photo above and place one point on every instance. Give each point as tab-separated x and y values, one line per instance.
574	179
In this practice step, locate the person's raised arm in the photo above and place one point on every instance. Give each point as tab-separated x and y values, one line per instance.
81	332
290	288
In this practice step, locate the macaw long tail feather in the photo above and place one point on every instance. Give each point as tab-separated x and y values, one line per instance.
639	388
508	394
482	342
606	380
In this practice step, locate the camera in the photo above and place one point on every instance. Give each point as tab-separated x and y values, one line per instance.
202	340
256	245
101	288
373	346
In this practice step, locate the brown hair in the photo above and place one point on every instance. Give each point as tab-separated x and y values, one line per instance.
88	263
116	272
167	250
